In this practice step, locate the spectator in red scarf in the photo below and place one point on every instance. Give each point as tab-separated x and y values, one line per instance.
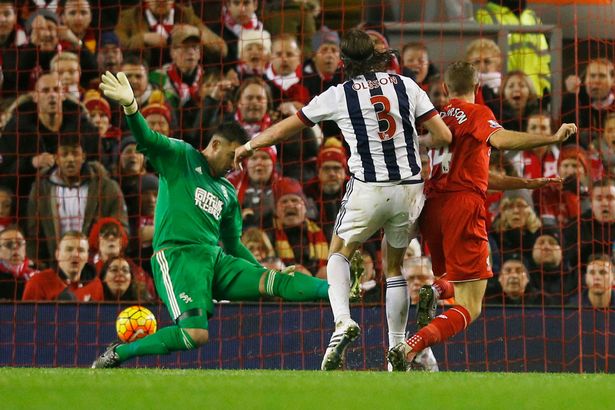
591	98
255	186
181	80
254	112
284	74
15	267
252	105
254	53
285	77
298	240
542	161
237	16
485	55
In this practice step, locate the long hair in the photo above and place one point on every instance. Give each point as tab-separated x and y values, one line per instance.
359	55
532	98
137	290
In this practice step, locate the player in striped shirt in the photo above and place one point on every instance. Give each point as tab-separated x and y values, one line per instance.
378	114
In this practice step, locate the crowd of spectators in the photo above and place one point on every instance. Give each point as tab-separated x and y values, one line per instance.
77	199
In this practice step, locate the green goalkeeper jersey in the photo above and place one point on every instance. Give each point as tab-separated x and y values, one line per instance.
192	204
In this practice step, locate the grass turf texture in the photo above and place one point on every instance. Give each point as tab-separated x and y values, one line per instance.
34	388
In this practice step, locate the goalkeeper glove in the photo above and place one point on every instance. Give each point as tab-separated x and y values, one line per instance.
118	89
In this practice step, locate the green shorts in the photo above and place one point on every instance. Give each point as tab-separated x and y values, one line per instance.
189	277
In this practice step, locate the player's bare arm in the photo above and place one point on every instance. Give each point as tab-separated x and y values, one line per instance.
505	139
505	182
271	136
439	134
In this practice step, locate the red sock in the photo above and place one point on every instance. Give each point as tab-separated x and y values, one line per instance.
444	288
442	328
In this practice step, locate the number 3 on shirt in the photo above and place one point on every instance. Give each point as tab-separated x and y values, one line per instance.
443	157
386	122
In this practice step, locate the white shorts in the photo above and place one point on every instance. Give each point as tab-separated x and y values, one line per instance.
367	207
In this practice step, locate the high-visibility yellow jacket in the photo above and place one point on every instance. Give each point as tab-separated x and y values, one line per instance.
528	52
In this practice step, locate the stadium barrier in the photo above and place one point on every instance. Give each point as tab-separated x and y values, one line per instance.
294	336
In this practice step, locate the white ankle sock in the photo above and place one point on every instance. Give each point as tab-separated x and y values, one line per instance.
338	276
397	304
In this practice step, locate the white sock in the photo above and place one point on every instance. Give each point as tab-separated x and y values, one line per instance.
397	305
338	276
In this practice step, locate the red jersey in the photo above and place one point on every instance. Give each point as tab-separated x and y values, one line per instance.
463	166
47	285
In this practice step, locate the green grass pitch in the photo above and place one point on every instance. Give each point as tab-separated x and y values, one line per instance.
35	388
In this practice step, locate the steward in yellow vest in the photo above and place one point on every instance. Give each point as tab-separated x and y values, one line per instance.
528	52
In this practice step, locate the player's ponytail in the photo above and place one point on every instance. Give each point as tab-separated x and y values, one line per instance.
360	56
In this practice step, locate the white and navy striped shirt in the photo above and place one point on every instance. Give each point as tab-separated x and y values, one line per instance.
377	114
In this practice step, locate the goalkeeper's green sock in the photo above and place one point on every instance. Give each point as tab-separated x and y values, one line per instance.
166	340
296	287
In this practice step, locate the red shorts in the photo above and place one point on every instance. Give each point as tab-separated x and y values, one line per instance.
454	226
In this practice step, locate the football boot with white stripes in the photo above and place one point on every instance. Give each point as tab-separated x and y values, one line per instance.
345	333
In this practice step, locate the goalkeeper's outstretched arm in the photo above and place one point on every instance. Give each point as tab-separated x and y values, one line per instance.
118	88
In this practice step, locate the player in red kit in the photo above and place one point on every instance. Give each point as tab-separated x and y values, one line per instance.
453	221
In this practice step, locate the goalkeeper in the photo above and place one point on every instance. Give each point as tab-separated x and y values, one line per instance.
196	209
